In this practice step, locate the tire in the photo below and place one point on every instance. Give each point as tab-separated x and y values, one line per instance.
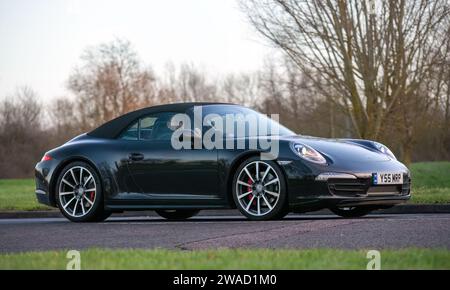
351	212
79	194
259	192
283	213
177	214
102	217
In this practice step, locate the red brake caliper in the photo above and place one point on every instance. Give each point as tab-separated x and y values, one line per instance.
250	196
92	196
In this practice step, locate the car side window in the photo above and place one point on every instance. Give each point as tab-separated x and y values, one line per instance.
131	133
151	128
147	125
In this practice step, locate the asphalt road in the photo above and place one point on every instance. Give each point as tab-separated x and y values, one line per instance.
295	231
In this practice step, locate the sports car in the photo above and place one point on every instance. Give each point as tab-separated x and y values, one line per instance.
131	164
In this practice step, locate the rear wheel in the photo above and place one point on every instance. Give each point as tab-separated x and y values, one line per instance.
79	194
351	212
177	214
259	190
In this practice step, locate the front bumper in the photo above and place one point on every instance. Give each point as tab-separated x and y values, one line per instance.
311	189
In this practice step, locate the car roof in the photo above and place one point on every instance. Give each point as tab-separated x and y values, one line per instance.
113	128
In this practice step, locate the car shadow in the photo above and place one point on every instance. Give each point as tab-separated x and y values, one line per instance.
218	219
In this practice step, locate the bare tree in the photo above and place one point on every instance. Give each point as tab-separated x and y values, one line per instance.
371	54
193	85
285	90
186	84
20	113
20	133
241	89
64	119
111	82
437	107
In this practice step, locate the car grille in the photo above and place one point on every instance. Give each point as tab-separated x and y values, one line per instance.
363	187
348	187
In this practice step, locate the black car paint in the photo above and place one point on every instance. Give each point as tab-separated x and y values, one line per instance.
164	178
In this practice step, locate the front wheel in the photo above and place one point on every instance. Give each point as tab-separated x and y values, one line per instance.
259	190
351	212
177	214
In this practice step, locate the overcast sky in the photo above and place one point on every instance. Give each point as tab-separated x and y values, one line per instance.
41	40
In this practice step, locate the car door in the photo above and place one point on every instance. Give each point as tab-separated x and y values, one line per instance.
161	172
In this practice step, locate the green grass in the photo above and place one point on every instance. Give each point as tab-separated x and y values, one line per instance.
257	259
432	195
18	194
431	184
431	174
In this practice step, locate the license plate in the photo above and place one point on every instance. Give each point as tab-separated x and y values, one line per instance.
387	178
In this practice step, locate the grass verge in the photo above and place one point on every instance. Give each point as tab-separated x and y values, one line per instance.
431	182
18	194
257	259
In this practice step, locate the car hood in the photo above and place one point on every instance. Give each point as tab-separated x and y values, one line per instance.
340	150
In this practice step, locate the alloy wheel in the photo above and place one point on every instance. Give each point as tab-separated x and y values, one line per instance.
77	191
258	188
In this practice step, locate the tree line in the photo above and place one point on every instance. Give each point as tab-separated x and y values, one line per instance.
378	70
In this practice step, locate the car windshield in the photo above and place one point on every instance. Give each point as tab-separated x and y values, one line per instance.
256	124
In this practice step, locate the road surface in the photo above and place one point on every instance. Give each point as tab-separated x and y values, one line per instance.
210	232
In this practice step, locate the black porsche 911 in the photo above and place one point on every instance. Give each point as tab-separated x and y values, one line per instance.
131	163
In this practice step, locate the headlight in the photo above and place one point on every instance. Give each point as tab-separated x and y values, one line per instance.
383	149
308	153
